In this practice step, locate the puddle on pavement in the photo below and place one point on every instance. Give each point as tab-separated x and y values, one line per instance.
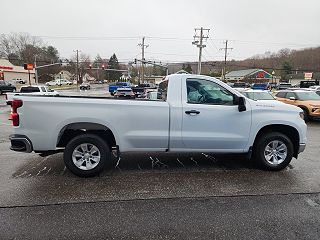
54	166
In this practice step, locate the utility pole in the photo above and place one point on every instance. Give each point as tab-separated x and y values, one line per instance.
35	70
225	58
199	38
97	71
142	45
77	69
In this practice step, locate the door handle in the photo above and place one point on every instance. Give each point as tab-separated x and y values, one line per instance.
192	112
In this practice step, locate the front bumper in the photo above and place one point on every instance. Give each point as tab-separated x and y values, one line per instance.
302	147
20	143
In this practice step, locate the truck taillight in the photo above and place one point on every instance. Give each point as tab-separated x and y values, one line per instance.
14	116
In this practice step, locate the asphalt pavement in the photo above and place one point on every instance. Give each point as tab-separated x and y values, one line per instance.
159	196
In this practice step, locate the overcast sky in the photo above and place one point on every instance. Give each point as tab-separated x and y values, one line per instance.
116	26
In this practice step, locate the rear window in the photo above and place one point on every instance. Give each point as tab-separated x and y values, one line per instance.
239	85
29	89
122	84
163	89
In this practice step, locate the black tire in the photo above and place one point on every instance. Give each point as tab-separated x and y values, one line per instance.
95	140
0	92
260	146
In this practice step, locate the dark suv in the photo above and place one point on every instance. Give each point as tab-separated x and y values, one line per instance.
6	87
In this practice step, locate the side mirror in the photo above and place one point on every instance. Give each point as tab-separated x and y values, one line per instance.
242	104
292	98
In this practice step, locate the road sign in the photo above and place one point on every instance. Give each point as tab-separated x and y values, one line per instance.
28	66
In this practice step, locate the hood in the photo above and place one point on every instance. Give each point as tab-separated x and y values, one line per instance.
273	104
313	102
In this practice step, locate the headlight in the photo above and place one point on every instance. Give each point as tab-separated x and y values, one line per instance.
301	114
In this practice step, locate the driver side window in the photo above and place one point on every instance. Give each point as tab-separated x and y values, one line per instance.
206	92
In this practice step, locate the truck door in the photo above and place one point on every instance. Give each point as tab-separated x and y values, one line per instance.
211	120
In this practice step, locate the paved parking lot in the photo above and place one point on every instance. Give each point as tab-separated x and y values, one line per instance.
161	196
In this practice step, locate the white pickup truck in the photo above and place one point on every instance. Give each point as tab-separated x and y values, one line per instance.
31	90
195	113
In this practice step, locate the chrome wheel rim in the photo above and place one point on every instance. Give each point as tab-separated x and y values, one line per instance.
275	152
86	156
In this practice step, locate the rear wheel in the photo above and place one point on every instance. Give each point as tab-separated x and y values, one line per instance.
273	151
86	155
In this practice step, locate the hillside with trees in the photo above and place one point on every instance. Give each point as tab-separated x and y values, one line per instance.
283	62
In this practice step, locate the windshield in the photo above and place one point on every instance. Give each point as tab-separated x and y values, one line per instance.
259	85
304	96
259	95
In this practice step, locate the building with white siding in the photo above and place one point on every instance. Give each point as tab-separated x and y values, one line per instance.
8	72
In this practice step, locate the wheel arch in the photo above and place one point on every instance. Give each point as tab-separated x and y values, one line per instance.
75	129
291	132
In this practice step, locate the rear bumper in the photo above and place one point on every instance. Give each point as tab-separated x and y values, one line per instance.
302	147
20	143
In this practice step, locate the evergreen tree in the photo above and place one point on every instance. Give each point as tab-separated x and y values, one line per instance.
183	67
286	69
113	64
97	63
188	68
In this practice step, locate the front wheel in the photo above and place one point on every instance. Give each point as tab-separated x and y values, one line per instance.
273	151
86	155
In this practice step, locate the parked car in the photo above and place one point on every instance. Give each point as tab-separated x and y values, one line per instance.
241	85
283	86
139	90
85	86
260	86
308	83
124	93
194	113
6	87
30	90
258	94
307	100
19	80
114	87
59	82
98	82
315	87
